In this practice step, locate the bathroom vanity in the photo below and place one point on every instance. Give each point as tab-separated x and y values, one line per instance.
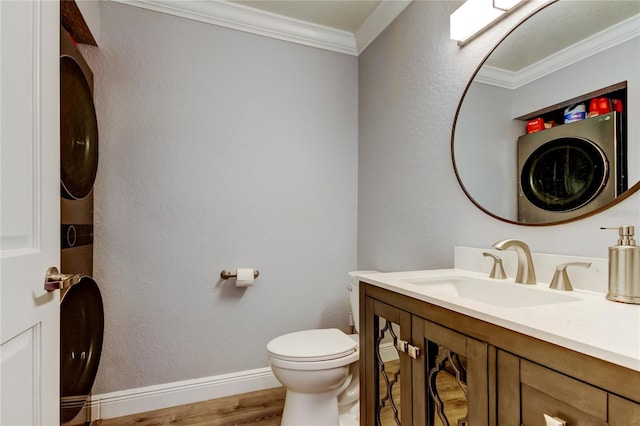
510	352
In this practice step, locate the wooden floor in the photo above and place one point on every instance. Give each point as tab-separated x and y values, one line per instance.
262	408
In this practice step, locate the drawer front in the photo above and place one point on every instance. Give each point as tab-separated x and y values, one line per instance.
574	395
623	412
535	404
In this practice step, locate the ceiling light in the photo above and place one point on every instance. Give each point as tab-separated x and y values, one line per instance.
506	4
474	16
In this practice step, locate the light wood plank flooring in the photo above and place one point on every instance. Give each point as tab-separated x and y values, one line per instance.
261	408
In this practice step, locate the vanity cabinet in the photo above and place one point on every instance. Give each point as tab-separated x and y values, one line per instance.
457	370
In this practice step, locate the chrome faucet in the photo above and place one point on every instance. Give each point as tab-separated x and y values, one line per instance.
526	273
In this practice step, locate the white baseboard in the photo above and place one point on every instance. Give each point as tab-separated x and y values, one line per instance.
388	352
140	400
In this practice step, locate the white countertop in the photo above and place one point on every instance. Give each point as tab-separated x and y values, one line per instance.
590	324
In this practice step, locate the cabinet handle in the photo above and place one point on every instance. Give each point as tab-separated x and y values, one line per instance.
413	351
553	421
401	345
406	347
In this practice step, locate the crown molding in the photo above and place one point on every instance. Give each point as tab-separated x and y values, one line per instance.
606	39
380	18
242	18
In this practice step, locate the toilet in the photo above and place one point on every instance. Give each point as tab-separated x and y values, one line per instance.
320	370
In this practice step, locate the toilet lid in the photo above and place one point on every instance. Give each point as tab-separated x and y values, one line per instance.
312	345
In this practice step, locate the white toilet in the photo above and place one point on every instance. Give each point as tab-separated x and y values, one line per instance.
320	370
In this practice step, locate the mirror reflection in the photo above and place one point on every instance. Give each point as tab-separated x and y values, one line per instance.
447	384
541	135
389	407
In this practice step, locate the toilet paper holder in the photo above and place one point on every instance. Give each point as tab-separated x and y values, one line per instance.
225	274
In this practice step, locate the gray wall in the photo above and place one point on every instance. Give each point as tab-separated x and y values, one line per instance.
219	149
488	138
411	210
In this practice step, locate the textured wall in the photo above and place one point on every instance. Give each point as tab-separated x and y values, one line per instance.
411	210
219	149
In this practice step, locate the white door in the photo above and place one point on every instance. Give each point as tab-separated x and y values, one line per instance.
29	211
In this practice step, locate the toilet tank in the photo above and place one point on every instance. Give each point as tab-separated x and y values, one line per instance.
354	296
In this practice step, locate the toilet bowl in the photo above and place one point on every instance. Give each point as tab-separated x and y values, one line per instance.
320	370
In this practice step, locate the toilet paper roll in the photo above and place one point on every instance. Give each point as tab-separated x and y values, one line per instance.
244	277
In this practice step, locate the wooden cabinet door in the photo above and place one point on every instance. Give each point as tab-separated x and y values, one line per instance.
451	381
437	376
386	371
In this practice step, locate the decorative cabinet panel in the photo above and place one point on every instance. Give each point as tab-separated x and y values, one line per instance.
456	377
390	397
439	377
454	370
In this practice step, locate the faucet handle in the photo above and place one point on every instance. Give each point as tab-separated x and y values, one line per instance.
497	271
561	280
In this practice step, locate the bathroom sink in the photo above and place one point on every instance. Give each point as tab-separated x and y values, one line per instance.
497	293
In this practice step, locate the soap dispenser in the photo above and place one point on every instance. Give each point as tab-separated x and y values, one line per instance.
624	268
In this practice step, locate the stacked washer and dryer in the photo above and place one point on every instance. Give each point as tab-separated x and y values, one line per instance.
81	309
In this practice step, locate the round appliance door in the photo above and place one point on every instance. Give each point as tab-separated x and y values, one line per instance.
78	132
81	334
564	174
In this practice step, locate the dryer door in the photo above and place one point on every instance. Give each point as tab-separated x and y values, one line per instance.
81	334
78	132
564	174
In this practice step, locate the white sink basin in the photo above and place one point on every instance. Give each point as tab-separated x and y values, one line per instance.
491	292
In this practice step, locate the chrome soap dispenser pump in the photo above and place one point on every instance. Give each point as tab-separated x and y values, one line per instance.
624	268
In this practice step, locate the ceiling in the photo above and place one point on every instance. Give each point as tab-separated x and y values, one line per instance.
345	15
569	24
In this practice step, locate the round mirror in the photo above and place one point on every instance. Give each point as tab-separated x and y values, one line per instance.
546	110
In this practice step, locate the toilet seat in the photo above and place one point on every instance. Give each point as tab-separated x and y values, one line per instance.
314	365
312	346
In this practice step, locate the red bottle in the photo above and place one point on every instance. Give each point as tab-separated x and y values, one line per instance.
535	125
599	106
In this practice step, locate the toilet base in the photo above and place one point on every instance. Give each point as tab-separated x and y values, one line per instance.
310	409
349	419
